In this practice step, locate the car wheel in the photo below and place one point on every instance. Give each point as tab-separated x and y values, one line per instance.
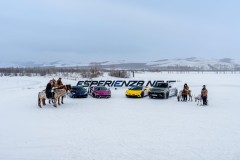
142	94
166	96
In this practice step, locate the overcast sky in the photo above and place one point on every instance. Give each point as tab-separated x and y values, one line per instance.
133	30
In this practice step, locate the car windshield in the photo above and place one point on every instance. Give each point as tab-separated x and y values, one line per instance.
101	88
162	85
136	88
84	84
77	88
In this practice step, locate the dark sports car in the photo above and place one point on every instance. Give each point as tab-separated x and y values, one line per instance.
163	90
78	92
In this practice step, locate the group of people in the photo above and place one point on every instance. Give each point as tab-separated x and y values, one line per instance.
52	84
204	93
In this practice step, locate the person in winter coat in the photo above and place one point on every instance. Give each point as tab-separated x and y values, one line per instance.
54	82
48	90
186	87
59	83
185	92
204	95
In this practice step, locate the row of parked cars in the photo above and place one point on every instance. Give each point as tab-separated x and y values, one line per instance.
161	90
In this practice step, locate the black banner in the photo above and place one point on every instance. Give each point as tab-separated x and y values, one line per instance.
120	83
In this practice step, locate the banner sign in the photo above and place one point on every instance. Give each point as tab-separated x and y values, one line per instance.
120	83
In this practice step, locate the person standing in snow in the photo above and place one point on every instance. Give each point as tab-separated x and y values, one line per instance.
48	90
185	92
54	82
204	94
59	83
186	87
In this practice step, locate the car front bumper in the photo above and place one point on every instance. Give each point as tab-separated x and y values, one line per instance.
156	95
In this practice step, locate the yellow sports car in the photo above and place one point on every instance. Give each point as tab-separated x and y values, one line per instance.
137	91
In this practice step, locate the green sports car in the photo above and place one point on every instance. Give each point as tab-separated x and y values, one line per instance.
163	90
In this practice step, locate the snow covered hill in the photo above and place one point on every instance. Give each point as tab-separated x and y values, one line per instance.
121	128
205	64
193	62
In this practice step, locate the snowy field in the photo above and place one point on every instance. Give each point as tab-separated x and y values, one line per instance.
121	128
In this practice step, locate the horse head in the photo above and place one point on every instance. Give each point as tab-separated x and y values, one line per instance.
67	87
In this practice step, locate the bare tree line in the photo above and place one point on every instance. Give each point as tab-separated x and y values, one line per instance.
96	70
118	73
182	68
91	72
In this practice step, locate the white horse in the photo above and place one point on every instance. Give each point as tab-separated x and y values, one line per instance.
183	96
179	96
199	100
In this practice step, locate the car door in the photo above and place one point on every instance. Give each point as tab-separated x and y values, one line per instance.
171	90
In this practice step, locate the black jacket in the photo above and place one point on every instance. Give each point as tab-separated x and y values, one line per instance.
48	91
49	87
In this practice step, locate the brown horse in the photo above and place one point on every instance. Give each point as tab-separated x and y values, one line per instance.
57	94
60	92
189	93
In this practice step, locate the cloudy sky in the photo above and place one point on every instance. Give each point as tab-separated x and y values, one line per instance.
134	30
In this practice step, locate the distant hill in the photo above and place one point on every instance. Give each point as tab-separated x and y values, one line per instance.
191	63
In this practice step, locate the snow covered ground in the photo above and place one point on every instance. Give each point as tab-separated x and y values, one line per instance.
121	128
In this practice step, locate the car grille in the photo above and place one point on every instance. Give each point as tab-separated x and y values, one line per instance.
160	95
